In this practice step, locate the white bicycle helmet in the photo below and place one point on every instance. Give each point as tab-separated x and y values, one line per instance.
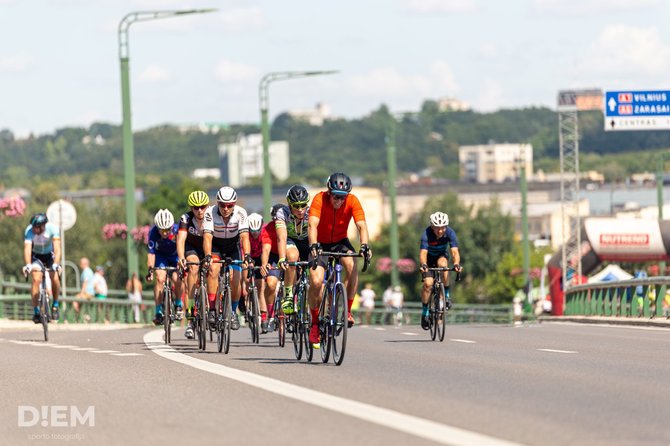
226	195
164	219
255	221
439	219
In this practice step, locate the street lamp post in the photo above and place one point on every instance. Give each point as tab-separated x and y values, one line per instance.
264	99
393	234
128	149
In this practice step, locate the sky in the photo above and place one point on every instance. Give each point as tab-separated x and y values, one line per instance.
59	59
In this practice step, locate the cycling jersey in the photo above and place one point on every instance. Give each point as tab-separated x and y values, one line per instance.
333	223
164	246
438	247
226	234
296	229
193	228
42	243
256	246
269	236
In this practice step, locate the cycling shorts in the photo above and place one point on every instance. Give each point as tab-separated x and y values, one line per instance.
302	247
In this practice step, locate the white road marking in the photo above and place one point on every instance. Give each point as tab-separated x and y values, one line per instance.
409	334
550	350
464	341
127	354
380	329
419	427
62	346
104	351
83	349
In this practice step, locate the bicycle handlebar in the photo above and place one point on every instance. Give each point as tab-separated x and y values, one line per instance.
366	261
443	268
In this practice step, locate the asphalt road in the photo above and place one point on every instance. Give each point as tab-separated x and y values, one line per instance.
537	384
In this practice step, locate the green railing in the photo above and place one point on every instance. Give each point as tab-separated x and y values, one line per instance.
629	298
15	304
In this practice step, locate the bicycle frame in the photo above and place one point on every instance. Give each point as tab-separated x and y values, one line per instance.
437	304
300	321
200	303
168	301
43	301
223	305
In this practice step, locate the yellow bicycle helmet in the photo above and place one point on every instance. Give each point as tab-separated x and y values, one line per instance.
198	198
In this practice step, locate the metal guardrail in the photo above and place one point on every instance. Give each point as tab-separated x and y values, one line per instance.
629	298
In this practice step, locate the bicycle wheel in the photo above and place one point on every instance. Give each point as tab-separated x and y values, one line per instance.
341	322
202	329
296	320
432	308
305	327
218	305
441	316
226	320
44	312
167	305
255	320
281	325
325	324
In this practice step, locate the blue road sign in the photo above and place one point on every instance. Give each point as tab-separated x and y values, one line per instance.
637	110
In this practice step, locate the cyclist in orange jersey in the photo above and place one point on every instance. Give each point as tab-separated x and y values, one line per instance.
329	217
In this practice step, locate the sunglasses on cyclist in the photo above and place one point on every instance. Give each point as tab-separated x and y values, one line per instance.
339	197
299	206
164	231
199	207
226	205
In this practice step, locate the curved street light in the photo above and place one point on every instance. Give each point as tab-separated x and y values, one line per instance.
264	99
128	149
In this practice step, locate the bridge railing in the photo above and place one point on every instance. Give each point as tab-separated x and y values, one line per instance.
629	298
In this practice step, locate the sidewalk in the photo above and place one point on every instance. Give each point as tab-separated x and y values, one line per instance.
658	321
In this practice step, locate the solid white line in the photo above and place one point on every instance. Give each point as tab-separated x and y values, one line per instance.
555	351
409	334
464	341
127	354
409	424
83	349
104	351
62	346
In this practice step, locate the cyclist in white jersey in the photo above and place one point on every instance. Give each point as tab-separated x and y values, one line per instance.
225	231
42	241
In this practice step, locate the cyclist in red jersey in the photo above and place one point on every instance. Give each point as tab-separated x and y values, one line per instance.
329	217
269	264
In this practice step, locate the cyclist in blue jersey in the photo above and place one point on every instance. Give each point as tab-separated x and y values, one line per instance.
162	253
437	242
42	241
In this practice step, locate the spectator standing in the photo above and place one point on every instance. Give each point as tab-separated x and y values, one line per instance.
134	289
100	287
86	279
367	303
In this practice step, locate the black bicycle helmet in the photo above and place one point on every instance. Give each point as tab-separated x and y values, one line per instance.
274	209
297	195
39	219
339	183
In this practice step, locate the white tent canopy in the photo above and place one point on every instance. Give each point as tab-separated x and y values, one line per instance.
609	273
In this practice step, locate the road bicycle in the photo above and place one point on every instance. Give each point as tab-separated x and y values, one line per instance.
278	319
334	309
299	323
43	301
223	305
169	311
253	309
201	304
438	305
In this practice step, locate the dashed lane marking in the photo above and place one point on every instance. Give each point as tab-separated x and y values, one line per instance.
407	333
127	354
551	350
464	341
104	351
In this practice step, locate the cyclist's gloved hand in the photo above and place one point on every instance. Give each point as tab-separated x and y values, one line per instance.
424	268
56	267
315	249
365	251
283	264
207	261
457	267
27	269
150	275
248	260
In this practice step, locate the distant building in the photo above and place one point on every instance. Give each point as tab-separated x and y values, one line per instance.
452	104
314	117
207	173
494	163
243	160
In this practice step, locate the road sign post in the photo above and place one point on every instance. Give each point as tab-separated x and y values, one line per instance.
63	214
637	110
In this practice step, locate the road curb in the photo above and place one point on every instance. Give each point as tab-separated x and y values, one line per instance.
658	321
